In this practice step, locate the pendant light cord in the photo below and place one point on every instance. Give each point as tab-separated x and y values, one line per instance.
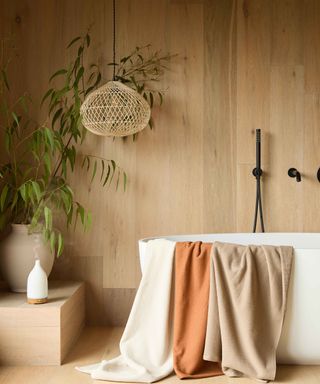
114	40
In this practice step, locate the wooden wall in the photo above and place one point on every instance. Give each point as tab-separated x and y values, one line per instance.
242	65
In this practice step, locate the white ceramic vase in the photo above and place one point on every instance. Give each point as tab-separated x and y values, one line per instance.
37	285
17	256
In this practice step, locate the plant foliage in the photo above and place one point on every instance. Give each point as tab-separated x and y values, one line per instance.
141	70
34	182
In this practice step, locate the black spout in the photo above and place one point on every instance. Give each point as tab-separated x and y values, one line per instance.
293	172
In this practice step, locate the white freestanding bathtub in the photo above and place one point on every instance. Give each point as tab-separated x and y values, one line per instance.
300	339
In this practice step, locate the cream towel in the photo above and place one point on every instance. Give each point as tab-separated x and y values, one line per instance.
146	344
247	302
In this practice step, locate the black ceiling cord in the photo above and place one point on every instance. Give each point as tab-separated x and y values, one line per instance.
114	41
257	173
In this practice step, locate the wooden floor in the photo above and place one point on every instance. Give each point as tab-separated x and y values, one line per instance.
102	343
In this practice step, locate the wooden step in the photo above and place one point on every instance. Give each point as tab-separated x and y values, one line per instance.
41	334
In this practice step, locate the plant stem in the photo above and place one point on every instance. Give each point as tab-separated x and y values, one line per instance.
61	158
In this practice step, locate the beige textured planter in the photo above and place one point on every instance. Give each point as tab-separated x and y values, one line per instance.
17	256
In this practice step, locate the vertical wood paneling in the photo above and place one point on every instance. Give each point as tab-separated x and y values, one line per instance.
286	130
219	116
252	99
311	54
253	74
242	65
287	18
185	126
311	163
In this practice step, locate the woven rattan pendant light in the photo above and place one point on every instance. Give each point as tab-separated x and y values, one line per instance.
115	109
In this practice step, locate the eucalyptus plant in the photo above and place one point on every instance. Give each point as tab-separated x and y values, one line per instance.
39	157
34	179
141	70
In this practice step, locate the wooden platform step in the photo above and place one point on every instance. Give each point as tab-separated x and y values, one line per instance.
41	334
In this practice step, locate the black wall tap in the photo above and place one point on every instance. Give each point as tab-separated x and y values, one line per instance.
293	172
257	173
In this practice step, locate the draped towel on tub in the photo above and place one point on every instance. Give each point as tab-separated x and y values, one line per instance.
247	303
192	270
146	344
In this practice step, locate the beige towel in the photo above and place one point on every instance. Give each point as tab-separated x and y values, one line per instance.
192	271
248	291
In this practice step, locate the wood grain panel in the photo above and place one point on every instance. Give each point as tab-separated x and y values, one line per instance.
219	127
121	267
311	53
311	162
253	74
287	27
286	128
242	65
246	194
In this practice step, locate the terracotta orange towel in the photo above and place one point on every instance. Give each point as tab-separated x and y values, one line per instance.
248	294
192	279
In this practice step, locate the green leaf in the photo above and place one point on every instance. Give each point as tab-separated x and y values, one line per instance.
29	192
46	95
3	197
124	181
22	191
118	180
14	200
88	163
79	75
23	102
151	99
70	216
94	171
49	137
5	79
88	39
89	90
60	244
56	116
102	169
8	141
47	162
46	234
150	123
48	218
107	176
73	41
84	160
76	64
81	212
58	73
80	50
36	189
52	241
16	118
64	168
88	221
66	201
113	169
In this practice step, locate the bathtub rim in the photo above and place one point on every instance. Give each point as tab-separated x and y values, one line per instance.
293	237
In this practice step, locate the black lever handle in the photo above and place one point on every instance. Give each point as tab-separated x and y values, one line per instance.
293	172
